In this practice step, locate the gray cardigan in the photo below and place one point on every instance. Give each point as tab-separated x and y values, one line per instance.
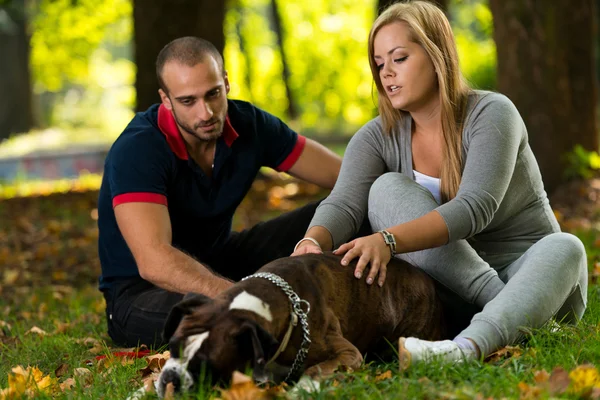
501	197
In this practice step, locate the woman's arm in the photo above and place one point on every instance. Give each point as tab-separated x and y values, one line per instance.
341	214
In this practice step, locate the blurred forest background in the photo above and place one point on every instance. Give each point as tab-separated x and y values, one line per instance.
72	72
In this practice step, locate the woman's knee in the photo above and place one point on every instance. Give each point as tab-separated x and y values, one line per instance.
568	246
396	189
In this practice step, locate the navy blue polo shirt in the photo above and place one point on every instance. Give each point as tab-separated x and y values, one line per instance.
150	163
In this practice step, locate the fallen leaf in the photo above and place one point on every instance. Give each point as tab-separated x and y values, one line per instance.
559	381
37	331
68	384
169	391
84	375
583	378
149	383
541	376
384	376
61	370
155	363
239	379
243	388
504	353
27	382
10	276
530	392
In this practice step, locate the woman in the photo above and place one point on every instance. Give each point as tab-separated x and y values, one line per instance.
451	185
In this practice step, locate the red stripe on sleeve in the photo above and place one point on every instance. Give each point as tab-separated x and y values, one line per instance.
293	156
140	197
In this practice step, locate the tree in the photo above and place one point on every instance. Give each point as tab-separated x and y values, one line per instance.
383	4
15	81
276	26
160	21
546	67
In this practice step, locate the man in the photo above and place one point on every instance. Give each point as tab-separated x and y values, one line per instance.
172	182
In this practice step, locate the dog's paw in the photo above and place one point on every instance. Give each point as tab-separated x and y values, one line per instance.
138	394
306	384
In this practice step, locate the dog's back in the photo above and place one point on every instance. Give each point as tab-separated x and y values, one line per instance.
369	315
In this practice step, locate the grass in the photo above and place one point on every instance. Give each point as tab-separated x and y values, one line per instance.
58	297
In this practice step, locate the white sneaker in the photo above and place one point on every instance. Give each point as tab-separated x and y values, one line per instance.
413	351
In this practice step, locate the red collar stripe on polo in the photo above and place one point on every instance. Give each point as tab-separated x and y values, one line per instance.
168	126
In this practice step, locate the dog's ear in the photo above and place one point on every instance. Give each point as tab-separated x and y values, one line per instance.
263	345
186	306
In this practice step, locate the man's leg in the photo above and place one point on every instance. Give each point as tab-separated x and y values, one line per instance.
136	311
250	249
247	251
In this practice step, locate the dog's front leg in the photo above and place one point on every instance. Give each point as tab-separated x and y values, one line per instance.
345	353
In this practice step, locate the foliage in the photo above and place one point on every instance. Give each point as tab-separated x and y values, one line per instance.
326	47
65	33
472	24
581	163
83	73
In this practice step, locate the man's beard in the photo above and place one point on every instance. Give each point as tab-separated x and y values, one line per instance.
200	135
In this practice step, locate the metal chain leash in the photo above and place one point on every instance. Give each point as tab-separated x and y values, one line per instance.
296	302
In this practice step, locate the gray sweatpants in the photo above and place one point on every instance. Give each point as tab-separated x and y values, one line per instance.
518	284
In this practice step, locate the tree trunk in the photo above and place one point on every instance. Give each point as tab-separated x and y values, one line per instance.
244	51
16	113
546	67
158	22
292	109
383	4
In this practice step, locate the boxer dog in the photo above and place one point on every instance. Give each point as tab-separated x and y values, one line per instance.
306	314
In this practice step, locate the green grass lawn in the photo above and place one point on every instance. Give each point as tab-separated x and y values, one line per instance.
52	320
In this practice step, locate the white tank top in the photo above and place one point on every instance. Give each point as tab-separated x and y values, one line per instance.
430	183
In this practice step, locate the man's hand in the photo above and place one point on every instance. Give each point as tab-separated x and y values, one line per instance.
370	250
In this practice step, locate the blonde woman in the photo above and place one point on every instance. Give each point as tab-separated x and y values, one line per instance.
451	185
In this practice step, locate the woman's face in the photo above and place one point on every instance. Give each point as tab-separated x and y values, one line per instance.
406	71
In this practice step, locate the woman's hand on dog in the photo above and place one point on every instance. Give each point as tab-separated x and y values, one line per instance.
307	248
370	250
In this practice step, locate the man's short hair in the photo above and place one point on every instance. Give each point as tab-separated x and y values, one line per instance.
188	50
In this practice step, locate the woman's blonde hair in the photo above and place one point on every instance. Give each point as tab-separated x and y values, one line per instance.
429	27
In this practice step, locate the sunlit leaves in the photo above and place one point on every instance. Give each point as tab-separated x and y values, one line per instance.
26	382
65	33
472	24
325	46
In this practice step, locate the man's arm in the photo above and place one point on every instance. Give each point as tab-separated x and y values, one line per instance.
317	164
146	228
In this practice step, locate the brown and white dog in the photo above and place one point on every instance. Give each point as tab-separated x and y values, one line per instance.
246	325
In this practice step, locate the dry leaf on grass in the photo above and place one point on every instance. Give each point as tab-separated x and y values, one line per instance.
25	382
169	391
61	370
583	379
36	331
84	375
155	363
559	381
504	353
384	376
243	388
68	384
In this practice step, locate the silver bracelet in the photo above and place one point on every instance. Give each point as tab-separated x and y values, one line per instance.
306	238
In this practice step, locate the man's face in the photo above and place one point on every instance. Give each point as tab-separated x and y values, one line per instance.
197	97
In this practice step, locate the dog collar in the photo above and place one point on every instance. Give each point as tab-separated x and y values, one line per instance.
296	314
